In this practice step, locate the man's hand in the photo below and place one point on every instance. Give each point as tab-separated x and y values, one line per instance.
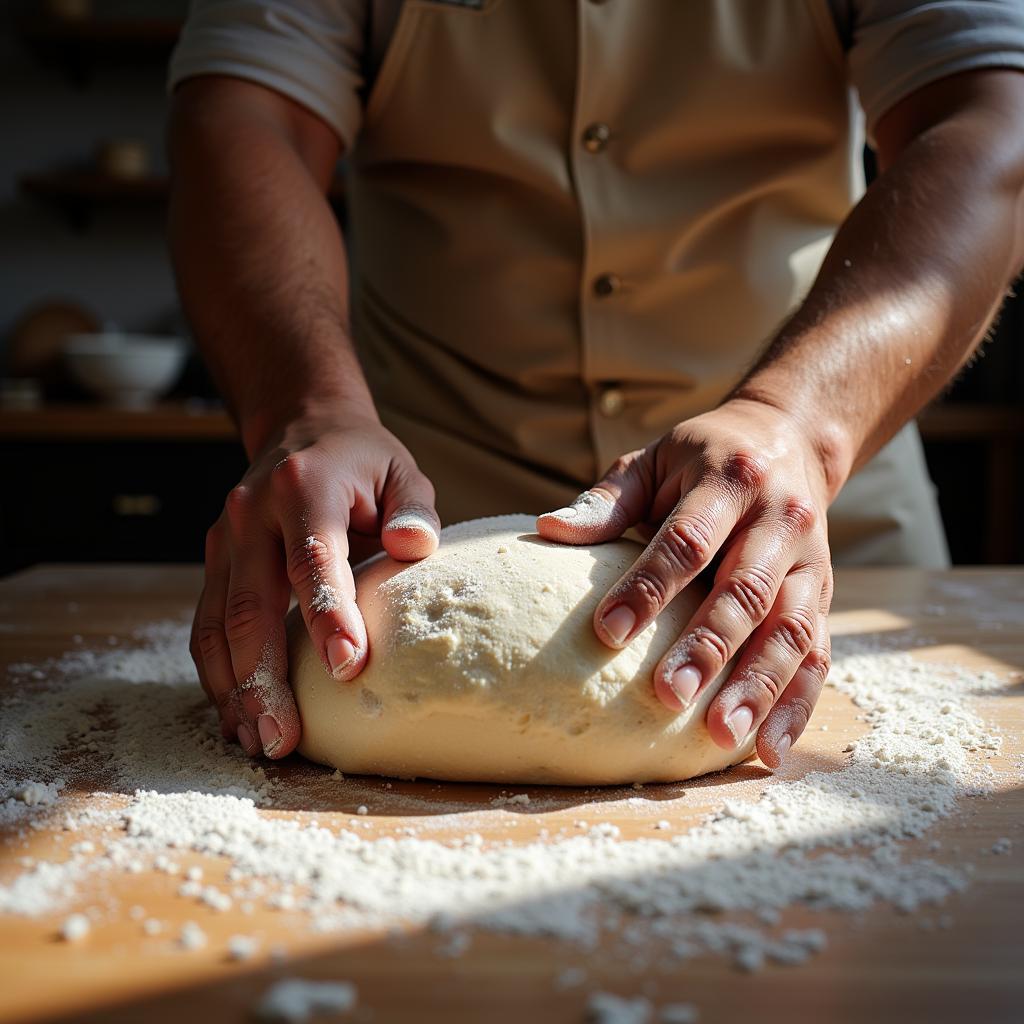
744	482
285	526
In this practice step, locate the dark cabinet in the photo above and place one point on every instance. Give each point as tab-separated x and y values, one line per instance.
115	500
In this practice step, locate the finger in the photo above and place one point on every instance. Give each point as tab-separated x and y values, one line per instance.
411	526
745	589
210	648
789	717
254	611
682	547
616	502
771	658
196	653
314	530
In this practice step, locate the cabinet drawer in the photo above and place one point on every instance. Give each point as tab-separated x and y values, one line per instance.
123	501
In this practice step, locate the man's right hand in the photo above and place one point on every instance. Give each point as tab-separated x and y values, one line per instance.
286	527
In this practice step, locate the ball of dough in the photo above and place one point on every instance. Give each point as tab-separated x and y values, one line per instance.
484	667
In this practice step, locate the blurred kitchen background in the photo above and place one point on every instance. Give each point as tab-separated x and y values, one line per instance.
114	455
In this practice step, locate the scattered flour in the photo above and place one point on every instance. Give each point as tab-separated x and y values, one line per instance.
120	741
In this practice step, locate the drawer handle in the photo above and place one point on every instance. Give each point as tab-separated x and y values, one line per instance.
136	504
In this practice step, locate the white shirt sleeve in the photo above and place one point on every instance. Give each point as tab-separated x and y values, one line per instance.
309	50
898	46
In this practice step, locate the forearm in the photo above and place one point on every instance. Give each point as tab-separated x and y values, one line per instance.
259	258
911	283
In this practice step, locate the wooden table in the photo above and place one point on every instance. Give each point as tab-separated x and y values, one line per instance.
888	969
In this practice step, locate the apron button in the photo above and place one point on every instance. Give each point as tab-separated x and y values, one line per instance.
610	402
606	284
596	136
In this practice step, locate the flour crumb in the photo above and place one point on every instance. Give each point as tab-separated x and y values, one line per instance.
605	1008
511	800
571	977
191	936
295	1000
750	959
678	1013
325	598
1002	845
242	947
75	928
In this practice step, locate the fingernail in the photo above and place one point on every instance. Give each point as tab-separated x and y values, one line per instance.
270	733
782	747
246	738
618	623
685	683
739	723
340	653
565	513
411	521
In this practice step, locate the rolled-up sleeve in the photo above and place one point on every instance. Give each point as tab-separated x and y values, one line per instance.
309	50
898	46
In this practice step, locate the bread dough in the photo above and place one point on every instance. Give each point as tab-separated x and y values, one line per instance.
484	667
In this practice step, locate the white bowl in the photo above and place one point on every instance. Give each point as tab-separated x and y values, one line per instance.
128	370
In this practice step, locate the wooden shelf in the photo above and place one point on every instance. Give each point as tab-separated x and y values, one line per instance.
168	421
178	420
79	47
78	192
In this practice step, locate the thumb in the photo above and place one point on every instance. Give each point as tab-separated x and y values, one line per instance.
619	500
411	527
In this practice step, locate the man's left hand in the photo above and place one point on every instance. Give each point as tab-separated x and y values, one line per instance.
743	482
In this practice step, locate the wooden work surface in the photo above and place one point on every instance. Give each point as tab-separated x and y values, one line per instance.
883	968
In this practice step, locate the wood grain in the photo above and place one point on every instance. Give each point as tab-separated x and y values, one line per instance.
880	966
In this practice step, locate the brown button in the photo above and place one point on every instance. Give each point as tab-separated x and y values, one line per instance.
596	136
606	284
610	402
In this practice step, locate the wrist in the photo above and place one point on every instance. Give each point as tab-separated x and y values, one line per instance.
266	423
828	439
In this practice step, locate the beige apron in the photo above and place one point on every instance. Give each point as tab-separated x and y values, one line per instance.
577	224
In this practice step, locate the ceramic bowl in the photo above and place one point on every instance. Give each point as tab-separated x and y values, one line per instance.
127	370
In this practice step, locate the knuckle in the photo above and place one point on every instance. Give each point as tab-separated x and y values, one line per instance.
686	544
237	504
707	642
311	558
214	542
794	630
765	681
649	587
799	515
752	590
243	615
818	663
288	475
209	638
827	591
746	470
621	466
226	700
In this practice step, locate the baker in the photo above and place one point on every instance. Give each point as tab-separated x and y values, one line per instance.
616	238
